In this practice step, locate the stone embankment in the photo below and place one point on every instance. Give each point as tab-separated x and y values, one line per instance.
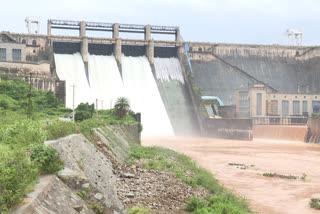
157	191
97	179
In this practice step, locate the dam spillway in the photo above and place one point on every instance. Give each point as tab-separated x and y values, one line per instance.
144	96
105	79
103	82
70	67
174	93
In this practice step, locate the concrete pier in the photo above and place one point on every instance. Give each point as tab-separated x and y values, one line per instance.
115	32
147	32
178	35
150	51
181	50
83	25
117	50
49	28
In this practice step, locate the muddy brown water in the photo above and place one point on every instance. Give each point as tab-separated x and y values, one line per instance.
265	195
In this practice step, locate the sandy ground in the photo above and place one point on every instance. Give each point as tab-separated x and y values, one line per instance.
265	195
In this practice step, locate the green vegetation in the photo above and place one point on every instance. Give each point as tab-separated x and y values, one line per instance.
14	103
304	177
106	117
236	164
83	194
84	111
315	203
185	169
280	176
58	129
23	156
97	208
138	210
46	158
216	204
22	153
122	107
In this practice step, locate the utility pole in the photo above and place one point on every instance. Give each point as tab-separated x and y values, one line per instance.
97	114
29	112
73	102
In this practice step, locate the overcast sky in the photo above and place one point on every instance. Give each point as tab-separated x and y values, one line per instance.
228	21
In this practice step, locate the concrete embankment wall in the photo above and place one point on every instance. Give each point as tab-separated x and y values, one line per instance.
314	130
280	132
239	129
221	69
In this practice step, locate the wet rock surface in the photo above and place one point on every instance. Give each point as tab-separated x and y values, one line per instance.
159	192
82	157
53	196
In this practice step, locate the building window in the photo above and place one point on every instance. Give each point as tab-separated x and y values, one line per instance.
3	54
304	106
34	42
315	106
259	104
24	41
244	104
16	55
296	107
273	107
285	107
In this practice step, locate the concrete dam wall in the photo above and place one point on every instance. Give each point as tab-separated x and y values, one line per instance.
219	70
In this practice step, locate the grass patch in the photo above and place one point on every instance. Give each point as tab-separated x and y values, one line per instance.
181	165
290	177
315	203
58	129
138	210
216	204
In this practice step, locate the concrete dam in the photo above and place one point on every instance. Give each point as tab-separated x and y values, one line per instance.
164	80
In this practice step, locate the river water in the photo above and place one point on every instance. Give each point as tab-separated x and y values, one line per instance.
265	195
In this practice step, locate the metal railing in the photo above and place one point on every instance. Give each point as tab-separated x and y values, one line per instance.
280	120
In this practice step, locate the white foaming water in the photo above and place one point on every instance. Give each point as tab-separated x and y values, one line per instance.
168	69
105	79
70	68
138	85
144	96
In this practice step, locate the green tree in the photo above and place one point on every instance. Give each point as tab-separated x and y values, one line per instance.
84	111
122	107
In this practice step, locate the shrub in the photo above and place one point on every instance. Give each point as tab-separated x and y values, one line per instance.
315	203
17	173
280	176
22	134
97	208
4	77
195	203
138	210
84	111
4	104
46	158
58	129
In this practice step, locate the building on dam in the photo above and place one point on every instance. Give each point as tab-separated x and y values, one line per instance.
259	101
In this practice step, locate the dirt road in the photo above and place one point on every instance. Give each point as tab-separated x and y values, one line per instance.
265	195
